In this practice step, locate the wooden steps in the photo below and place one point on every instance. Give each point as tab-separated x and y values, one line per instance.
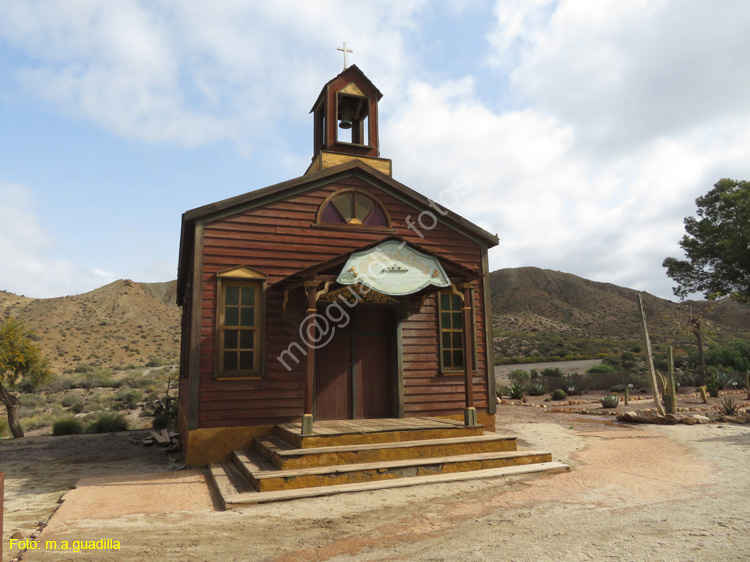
274	480
354	455
286	456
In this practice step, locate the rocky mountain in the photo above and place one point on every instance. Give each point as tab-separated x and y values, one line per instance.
536	313
536	310
123	323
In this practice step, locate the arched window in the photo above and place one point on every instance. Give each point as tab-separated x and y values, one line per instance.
352	207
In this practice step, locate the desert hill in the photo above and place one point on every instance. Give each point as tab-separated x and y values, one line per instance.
536	313
550	313
120	324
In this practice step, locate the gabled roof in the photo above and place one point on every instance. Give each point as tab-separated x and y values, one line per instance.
351	73
259	197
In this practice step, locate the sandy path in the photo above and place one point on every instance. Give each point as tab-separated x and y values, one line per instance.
635	493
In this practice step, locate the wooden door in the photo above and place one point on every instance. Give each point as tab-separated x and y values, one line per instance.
354	371
333	379
372	363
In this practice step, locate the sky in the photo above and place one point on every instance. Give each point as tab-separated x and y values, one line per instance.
581	130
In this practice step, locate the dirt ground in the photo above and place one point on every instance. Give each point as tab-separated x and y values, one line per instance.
660	493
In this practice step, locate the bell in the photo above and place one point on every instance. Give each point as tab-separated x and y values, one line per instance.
346	121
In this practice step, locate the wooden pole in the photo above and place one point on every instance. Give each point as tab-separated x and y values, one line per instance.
650	361
470	412
307	419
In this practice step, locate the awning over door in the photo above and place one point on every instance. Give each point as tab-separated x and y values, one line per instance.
393	268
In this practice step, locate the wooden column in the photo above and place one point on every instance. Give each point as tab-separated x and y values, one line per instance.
470	412
307	419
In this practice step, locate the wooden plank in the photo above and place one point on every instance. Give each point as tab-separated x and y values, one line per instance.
159	438
282	448
221	482
391	464
264	497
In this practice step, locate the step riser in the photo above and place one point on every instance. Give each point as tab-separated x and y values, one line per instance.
373	438
381	455
373	475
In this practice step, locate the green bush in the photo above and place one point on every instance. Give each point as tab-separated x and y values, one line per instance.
601	368
559	394
67	426
552	372
610	401
3	427
129	397
107	422
74	402
167	417
618	388
612	360
32	401
519	375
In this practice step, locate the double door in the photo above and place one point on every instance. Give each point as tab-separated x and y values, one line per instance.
354	371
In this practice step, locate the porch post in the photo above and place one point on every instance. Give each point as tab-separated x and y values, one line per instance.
470	412
307	419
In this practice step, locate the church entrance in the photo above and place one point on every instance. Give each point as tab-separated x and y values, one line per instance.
355	371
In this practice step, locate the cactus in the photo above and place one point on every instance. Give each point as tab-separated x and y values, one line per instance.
670	392
627	396
650	360
610	401
702	390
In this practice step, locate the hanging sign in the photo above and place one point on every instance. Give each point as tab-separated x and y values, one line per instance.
393	268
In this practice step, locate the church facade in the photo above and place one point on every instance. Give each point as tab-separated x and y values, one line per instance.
338	295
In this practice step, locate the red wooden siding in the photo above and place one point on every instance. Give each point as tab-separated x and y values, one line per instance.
277	239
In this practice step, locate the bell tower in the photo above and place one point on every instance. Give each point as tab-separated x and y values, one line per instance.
345	118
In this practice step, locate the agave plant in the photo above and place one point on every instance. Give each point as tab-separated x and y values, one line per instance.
716	382
610	401
517	390
728	406
537	389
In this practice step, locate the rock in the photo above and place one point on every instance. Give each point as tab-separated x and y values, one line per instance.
644	416
671	419
733	419
18	535
701	419
689	420
747	417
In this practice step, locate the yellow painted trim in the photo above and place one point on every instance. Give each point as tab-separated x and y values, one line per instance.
241	272
215	444
351	88
325	159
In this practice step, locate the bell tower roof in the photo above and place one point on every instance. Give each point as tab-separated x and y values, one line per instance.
345	117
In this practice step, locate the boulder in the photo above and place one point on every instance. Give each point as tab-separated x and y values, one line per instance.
671	419
733	419
689	420
701	418
643	416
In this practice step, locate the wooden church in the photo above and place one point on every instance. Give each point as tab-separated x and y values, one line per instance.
339	308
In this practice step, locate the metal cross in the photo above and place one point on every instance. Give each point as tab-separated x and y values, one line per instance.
344	50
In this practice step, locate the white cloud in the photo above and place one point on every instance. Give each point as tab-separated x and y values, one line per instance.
623	72
29	267
194	72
